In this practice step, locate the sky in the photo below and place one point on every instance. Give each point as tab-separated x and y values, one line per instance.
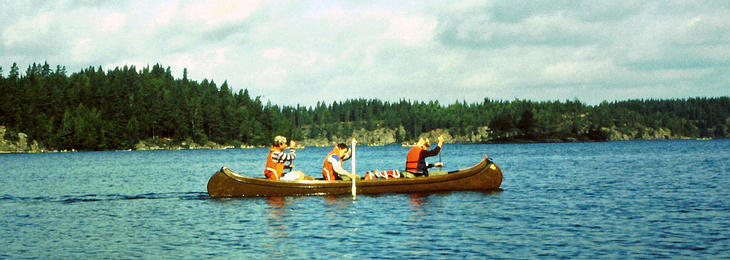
302	52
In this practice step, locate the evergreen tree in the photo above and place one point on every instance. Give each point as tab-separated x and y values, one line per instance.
95	109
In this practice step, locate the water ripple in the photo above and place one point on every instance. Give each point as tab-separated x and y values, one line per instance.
664	199
69	199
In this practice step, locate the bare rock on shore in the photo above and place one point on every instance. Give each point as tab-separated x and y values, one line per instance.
384	136
22	145
164	143
643	133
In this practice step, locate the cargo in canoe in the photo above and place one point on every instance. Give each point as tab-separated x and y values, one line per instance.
483	176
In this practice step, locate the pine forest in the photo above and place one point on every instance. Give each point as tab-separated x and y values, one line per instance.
94	109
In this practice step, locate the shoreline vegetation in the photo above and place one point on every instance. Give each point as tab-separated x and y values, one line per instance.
22	145
148	109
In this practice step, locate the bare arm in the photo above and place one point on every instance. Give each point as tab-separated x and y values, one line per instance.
430	153
336	166
283	156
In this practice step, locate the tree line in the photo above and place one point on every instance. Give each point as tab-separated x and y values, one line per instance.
95	109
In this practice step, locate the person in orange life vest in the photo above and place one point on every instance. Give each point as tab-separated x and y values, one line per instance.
416	160
332	165
275	161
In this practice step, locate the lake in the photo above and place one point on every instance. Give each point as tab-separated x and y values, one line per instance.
632	199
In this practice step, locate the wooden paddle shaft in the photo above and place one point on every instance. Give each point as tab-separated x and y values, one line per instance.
354	193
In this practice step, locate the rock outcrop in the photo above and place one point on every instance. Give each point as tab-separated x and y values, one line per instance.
18	143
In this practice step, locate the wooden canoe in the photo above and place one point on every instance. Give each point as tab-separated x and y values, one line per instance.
483	176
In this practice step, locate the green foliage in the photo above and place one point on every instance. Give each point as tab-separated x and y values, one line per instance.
95	109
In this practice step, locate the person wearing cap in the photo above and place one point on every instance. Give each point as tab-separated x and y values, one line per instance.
275	161
332	165
416	160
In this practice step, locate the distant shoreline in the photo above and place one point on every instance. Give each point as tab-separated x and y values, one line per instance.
226	147
141	109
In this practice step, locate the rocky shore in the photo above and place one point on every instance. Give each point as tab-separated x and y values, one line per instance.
168	144
384	136
18	143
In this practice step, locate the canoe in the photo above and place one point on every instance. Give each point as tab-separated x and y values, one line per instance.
483	176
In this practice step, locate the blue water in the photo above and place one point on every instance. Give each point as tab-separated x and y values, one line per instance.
637	199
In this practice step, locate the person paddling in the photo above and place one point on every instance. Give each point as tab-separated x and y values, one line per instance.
416	159
332	165
275	161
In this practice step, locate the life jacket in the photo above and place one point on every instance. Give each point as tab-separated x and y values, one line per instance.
273	168
414	155
327	170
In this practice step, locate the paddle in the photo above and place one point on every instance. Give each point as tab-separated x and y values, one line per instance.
287	167
354	193
441	143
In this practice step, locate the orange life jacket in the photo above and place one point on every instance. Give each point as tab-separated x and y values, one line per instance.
273	168
327	170
414	155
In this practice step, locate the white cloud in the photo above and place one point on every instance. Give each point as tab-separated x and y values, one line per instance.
411	30
273	54
29	33
425	50
113	22
213	13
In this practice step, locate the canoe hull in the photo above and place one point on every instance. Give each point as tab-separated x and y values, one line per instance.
483	176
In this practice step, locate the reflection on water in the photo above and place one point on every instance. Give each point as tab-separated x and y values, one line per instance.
417	200
275	203
277	216
339	202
